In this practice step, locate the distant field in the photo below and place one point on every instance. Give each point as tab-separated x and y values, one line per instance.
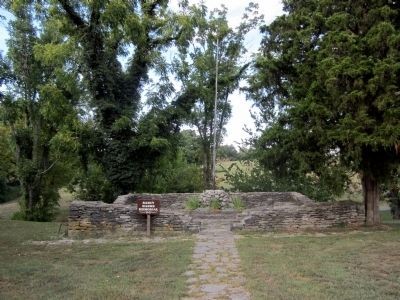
345	265
225	164
9	208
100	269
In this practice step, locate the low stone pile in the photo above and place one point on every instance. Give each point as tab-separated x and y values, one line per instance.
220	195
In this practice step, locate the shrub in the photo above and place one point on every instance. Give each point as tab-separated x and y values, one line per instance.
94	186
18	216
215	204
192	203
238	203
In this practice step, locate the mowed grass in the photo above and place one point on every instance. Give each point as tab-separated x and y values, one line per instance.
119	269
345	265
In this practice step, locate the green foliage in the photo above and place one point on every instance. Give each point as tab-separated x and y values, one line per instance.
189	143
7	164
127	147
227	152
192	203
215	204
196	69
326	84
18	216
93	185
391	192
252	177
172	174
38	109
238	204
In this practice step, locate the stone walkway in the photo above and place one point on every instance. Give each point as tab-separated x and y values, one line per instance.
215	271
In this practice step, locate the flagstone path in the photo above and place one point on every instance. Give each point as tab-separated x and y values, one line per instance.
215	270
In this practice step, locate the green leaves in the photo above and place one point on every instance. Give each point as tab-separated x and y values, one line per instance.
214	42
327	78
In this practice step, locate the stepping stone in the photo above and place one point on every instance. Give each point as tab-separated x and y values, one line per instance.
213	288
215	271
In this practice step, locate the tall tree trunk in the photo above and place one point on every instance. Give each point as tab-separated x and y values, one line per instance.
207	168
32	197
370	188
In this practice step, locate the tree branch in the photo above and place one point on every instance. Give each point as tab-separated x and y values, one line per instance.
48	169
72	14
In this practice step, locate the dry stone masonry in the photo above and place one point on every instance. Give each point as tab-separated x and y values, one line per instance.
289	217
263	211
219	195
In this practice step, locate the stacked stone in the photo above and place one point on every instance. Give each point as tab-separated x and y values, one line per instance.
306	216
219	195
263	211
98	218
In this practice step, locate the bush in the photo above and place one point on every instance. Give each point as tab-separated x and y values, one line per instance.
94	186
193	203
238	204
215	204
18	216
252	177
173	174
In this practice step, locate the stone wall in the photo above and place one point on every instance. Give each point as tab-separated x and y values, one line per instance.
97	218
263	211
307	216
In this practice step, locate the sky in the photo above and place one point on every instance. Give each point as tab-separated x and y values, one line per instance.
240	106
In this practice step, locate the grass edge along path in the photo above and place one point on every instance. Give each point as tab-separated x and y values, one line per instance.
130	269
345	265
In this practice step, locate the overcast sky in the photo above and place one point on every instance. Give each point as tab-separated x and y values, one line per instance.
241	108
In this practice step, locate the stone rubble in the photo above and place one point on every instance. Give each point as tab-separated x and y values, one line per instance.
220	195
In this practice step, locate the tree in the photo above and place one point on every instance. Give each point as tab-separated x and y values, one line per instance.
327	84
103	32
7	159
196	70
7	162
39	109
228	152
190	146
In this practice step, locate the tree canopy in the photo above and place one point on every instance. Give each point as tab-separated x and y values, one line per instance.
215	45
327	82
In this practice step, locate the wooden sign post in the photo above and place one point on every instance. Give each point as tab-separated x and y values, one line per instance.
148	208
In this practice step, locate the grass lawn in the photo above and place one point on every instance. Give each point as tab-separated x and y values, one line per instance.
345	265
119	269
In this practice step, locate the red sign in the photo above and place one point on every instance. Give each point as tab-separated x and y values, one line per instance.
148	207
